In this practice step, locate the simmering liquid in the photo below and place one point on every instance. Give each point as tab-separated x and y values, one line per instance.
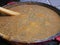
35	23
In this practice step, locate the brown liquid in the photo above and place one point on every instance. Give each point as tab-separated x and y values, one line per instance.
34	23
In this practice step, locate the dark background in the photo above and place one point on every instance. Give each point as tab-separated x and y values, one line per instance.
4	2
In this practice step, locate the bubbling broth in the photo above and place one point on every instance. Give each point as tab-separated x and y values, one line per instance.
35	23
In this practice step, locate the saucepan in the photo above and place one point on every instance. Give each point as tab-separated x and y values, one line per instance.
8	6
